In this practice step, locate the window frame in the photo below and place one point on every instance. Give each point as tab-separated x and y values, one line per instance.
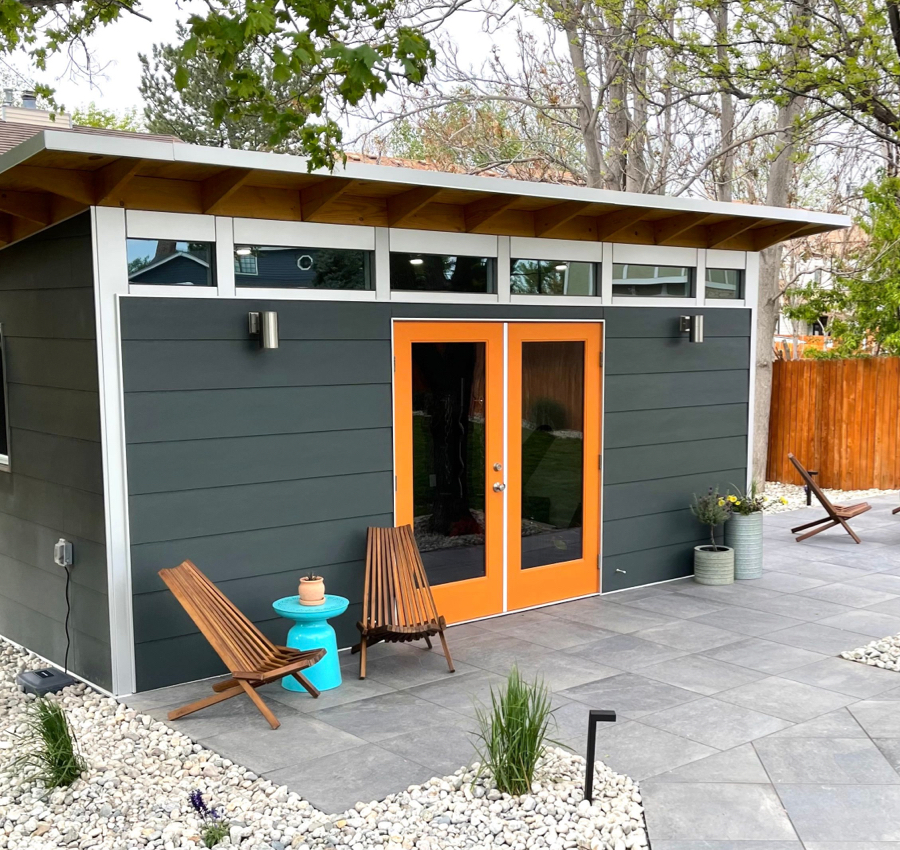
491	269
368	268
741	284
595	272
211	273
665	299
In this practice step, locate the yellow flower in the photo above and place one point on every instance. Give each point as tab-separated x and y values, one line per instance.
732	499
783	500
736	502
721	503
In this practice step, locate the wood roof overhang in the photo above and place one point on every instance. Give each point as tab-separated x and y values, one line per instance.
54	175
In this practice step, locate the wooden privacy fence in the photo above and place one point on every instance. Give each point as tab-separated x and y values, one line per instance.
840	417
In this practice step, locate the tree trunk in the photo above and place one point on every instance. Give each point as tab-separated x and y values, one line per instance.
587	116
725	170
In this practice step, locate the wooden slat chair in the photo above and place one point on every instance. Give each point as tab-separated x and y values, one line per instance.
398	605
251	658
837	514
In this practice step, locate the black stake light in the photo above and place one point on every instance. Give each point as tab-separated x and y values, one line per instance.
595	716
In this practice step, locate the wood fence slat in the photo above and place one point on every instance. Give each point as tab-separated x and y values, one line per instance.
840	417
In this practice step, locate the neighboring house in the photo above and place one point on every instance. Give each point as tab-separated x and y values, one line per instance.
500	364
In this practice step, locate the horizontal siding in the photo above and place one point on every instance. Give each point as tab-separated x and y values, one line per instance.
636	356
659	390
649	566
632	322
638	428
651	463
56	485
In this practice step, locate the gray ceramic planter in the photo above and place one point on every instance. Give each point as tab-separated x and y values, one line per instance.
713	567
744	534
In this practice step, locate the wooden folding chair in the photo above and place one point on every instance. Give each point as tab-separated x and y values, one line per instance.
398	605
252	659
837	514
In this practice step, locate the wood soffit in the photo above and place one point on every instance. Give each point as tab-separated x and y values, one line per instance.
52	185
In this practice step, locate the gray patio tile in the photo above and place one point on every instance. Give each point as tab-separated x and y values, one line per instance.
869	557
704	675
784	582
405	670
866	622
496	652
835	724
731	845
798	607
462	631
838	540
879	581
615	618
558	670
845	677
337	782
889	606
629	695
568	727
843	812
879	717
740	764
746	621
834	761
765	656
819	569
729	594
461	693
626	652
715	723
852	845
625	597
794	701
642	751
679	605
849	594
351	689
818	638
300	738
713	812
442	751
688	635
555	632
387	715
172	696
890	749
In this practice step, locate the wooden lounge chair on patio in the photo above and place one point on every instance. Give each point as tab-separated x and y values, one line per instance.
837	514
251	658
398	605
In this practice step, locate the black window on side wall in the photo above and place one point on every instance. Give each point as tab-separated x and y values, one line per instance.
280	267
4	407
724	284
441	273
169	262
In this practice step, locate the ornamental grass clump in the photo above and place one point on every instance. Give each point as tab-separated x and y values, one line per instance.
49	751
711	510
513	732
213	827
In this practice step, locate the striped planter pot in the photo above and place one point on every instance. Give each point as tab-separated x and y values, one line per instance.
745	535
713	567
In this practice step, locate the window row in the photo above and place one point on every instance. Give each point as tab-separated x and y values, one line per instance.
152	261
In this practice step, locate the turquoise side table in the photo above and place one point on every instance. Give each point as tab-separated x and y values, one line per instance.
311	630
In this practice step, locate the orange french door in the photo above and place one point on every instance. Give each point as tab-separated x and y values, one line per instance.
553	446
497	446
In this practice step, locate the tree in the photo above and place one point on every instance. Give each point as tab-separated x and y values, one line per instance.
863	296
93	115
323	54
190	113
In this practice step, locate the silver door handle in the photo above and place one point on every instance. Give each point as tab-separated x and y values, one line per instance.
499	487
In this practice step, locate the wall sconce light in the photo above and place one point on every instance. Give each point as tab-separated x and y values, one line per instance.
595	716
265	325
692	325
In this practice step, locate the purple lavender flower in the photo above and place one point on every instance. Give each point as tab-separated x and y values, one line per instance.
199	804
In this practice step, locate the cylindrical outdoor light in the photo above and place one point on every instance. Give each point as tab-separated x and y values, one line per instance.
264	325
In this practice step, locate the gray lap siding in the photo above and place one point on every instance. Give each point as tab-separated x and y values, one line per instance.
263	465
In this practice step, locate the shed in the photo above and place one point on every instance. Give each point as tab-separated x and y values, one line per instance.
500	364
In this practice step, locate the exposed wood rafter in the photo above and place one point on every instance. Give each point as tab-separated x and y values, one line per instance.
75	185
216	190
547	220
720	233
765	237
111	180
402	207
615	222
30	206
669	229
317	199
480	214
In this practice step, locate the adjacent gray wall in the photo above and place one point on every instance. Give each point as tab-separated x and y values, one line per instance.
55	489
261	465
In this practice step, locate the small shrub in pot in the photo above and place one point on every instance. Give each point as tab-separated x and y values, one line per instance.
713	564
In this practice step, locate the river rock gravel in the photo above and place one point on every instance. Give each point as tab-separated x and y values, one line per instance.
140	773
884	653
795	496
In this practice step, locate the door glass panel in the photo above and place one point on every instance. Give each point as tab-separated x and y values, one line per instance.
448	386
552	452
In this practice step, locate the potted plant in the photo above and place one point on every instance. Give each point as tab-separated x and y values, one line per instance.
312	590
713	564
744	531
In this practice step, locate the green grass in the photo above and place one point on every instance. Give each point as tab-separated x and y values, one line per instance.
50	754
513	732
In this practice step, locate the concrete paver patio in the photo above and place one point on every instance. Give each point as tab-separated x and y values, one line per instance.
742	726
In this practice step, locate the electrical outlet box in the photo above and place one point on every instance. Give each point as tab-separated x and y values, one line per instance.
62	553
41	682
